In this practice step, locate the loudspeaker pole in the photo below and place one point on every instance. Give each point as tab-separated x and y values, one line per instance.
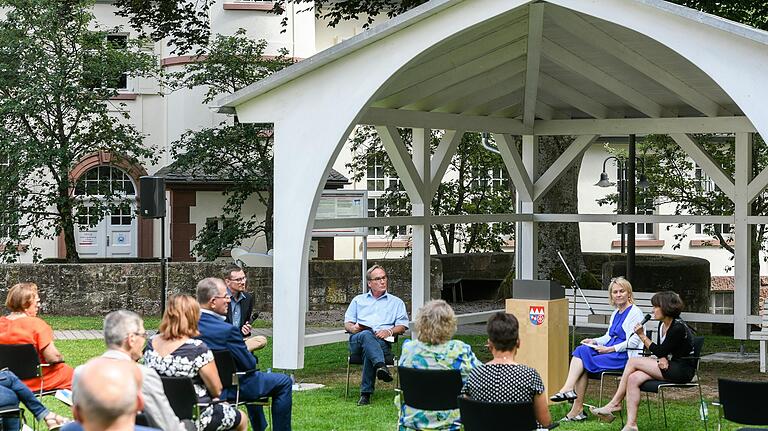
163	266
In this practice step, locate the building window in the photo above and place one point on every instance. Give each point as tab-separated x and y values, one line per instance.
704	184
643	207
497	178
102	180
118	41
722	303
378	183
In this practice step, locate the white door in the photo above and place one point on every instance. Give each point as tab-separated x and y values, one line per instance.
121	233
115	235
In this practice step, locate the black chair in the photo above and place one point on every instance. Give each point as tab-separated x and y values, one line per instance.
658	386
483	416
426	389
23	361
742	402
8	412
181	396
357	359
230	377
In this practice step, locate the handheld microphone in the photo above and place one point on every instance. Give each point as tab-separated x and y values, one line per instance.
646	319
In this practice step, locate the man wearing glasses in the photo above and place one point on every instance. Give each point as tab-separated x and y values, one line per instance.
374	319
241	306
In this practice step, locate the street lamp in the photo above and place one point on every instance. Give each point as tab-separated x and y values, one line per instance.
623	192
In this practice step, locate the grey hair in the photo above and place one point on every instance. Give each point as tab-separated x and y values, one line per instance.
87	396
374	268
207	288
118	325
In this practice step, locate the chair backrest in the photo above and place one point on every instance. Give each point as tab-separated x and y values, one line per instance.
181	395
225	364
483	416
743	402
426	389
698	345
21	359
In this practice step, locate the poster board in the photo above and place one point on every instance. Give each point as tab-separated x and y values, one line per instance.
339	204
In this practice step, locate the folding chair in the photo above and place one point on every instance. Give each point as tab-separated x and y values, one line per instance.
23	361
742	402
7	412
426	389
181	396
483	416
658	386
357	359
230	378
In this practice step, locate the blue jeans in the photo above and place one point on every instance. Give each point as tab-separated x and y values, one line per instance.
373	350
274	385
12	390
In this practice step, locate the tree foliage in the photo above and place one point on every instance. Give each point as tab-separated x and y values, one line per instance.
674	181
57	73
237	152
467	188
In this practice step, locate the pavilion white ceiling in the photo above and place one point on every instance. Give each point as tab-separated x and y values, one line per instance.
483	72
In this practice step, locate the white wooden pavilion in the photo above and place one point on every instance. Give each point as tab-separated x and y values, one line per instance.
510	68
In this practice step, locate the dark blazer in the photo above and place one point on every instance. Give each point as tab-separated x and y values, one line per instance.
247	309
220	335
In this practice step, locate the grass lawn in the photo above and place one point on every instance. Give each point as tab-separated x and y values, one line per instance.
327	409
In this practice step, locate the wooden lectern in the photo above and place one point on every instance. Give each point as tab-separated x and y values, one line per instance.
542	312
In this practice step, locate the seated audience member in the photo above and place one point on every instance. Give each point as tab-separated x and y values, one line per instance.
106	397
374	318
12	390
609	352
502	380
434	349
672	362
22	326
125	338
220	335
173	352
241	306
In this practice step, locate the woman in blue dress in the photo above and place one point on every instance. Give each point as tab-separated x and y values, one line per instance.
609	352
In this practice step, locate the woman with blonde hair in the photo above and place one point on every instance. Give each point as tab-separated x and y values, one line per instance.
434	349
174	353
609	352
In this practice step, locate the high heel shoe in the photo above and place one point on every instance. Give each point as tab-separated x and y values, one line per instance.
603	413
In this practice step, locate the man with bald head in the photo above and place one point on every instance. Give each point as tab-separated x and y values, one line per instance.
106	396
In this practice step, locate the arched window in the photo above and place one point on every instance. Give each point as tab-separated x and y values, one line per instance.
102	180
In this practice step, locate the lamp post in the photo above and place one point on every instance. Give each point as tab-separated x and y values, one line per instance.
626	201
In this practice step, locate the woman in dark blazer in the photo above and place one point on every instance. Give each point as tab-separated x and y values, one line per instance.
672	361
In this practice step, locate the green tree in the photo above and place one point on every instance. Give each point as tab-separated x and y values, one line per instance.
58	71
675	180
240	153
475	183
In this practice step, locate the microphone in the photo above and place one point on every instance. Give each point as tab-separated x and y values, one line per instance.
646	319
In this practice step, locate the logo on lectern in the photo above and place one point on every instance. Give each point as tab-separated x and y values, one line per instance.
536	315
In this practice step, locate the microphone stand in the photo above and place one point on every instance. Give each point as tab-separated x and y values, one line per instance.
576	287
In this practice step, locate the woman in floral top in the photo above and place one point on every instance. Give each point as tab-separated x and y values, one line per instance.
434	349
172	352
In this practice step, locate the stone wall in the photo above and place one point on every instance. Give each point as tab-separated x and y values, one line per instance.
97	288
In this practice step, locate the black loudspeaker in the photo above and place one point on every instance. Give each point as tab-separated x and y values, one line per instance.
152	197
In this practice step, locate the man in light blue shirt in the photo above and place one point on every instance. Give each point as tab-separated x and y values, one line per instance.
374	318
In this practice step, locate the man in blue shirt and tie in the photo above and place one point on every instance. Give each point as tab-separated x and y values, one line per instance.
374	318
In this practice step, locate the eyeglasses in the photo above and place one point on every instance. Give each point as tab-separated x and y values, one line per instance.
239	279
223	296
140	334
382	278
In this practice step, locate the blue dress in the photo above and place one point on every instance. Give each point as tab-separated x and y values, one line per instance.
595	362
